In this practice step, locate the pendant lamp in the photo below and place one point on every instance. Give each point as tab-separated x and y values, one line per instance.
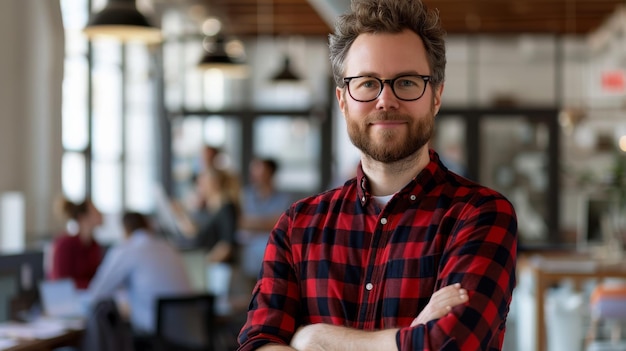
217	57
286	74
122	20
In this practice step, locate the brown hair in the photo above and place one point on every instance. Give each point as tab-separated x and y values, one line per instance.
133	221
72	210
389	16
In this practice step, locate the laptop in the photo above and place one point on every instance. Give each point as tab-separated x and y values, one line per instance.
61	299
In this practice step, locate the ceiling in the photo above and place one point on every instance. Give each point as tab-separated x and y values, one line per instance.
313	17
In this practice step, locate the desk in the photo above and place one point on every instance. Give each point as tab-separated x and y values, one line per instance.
68	338
41	335
550	269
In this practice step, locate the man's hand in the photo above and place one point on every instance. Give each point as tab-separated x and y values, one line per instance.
441	303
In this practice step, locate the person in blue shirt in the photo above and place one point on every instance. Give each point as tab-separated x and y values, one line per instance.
261	204
144	267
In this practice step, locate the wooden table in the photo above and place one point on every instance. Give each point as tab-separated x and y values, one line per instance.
551	269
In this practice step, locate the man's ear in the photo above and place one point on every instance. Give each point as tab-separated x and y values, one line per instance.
341	98
437	93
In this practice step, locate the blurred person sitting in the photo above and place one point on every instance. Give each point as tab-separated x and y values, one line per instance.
262	205
75	253
143	268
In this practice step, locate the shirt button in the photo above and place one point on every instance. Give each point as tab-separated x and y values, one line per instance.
369	286
383	221
413	197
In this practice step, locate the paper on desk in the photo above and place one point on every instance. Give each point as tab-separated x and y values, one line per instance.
64	323
34	330
6	343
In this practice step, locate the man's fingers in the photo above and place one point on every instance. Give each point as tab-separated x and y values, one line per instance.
449	300
441	303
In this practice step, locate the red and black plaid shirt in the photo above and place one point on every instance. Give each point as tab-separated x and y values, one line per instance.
338	258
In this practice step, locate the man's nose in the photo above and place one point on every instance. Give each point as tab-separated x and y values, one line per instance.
387	99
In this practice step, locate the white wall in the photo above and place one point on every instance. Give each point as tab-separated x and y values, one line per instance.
31	68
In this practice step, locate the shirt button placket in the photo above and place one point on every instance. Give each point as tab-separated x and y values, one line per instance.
370	286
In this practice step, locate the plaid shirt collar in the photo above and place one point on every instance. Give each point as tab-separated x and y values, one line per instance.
422	183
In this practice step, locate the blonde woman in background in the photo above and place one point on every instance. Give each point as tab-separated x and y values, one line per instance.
213	228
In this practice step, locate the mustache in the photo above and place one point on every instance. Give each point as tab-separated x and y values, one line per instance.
380	116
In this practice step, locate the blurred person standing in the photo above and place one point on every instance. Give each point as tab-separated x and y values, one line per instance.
262	204
208	159
145	268
211	158
75	253
213	228
214	225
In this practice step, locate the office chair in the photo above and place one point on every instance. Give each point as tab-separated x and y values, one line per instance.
185	323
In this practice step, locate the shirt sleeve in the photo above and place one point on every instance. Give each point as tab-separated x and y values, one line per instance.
276	298
481	256
112	273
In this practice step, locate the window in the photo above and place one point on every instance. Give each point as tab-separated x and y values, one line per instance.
109	118
75	122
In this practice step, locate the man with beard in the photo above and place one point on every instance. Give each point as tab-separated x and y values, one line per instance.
351	268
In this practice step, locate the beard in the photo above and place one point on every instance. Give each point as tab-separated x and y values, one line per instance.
391	145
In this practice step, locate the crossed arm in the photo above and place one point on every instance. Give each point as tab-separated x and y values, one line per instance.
326	337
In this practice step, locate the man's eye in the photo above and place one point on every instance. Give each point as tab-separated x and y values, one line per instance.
406	83
371	83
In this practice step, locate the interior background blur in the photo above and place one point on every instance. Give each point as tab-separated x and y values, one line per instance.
533	106
530	114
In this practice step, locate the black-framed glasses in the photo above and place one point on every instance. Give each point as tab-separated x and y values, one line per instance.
405	88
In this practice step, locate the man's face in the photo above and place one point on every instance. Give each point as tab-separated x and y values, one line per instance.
389	129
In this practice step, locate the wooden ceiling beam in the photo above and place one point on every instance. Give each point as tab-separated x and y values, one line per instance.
483	16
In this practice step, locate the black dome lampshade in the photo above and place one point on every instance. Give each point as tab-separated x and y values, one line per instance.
286	74
122	20
217	57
